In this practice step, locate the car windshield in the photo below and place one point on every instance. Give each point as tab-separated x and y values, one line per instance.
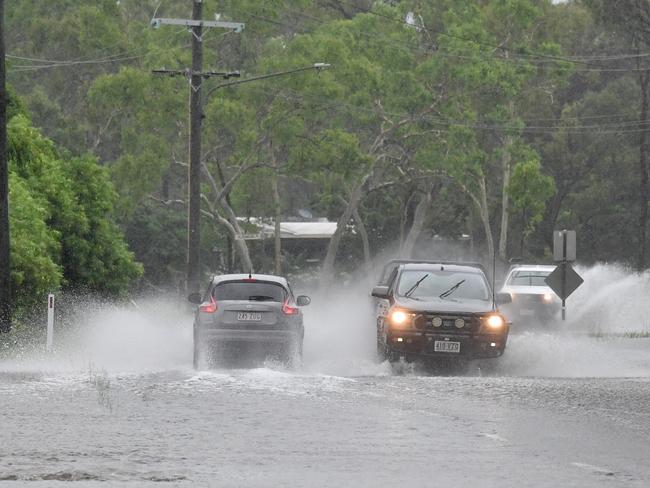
251	291
529	278
472	285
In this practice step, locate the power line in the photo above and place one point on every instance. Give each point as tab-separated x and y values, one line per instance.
22	68
461	38
613	128
586	60
116	57
438	50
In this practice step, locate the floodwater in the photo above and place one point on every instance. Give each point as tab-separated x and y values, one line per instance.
118	404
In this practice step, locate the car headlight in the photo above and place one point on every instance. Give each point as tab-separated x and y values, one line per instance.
459	323
399	318
494	322
547	297
436	322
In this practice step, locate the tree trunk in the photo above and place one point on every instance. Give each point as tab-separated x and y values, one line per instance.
327	270
506	166
644	78
277	234
238	238
419	217
522	242
365	241
484	214
229	240
506	161
404	219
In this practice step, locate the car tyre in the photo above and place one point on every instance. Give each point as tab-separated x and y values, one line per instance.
381	351
195	359
196	355
293	354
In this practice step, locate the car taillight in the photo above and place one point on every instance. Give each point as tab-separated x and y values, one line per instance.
208	307
289	309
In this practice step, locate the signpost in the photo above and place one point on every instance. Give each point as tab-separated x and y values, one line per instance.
564	245
564	280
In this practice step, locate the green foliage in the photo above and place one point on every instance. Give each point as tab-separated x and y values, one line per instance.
137	115
60	213
446	100
529	189
96	256
35	247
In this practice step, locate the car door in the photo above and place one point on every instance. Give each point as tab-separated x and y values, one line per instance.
383	305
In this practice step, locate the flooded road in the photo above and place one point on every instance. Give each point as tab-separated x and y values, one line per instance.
118	404
272	427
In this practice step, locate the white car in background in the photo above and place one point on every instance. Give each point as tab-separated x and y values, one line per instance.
532	299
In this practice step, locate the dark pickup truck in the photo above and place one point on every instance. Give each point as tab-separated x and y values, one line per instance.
438	310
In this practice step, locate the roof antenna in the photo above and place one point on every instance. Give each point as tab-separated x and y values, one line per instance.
250	274
494	274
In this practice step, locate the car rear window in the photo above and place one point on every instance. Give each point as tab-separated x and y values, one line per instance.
251	291
529	278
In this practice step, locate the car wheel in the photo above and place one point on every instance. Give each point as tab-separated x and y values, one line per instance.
293	354
381	351
196	356
195	360
385	353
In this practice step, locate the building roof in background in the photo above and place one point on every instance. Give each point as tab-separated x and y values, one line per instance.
323	229
307	230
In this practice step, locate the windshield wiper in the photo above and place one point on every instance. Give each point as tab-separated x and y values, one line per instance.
445	294
414	287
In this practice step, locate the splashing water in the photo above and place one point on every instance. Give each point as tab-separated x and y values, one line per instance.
152	335
605	335
612	300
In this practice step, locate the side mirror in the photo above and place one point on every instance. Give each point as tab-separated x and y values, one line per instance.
303	300
195	298
380	292
503	298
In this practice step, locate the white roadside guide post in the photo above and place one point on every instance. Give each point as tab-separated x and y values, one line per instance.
50	321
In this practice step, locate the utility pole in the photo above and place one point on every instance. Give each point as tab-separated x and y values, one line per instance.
194	174
5	269
196	77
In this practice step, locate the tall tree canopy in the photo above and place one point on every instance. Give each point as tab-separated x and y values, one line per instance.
489	123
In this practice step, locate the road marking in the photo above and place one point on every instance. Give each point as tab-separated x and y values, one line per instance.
594	469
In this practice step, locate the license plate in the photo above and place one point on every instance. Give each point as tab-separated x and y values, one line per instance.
249	316
446	346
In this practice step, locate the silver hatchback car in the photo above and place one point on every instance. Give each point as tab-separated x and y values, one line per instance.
245	316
